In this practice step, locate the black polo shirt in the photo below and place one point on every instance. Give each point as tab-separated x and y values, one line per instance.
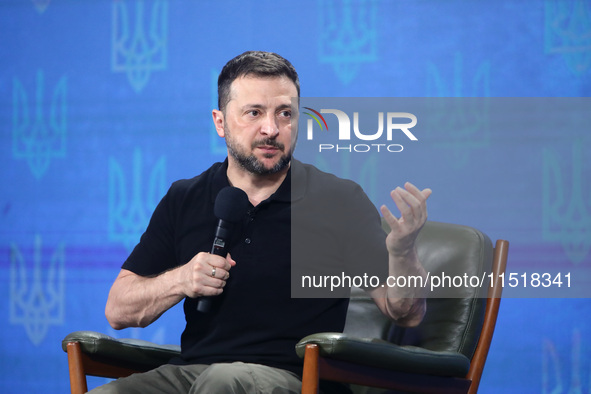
255	319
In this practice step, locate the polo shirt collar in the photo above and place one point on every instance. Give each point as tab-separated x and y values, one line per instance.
291	189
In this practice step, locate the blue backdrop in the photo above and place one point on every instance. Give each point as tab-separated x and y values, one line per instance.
104	103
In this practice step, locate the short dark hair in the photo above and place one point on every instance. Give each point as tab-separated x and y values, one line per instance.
262	64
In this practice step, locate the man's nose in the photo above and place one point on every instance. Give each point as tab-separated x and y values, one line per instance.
270	128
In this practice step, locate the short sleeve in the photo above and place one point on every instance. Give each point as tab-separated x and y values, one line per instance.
155	251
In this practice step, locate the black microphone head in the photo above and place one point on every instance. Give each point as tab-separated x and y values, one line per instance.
230	204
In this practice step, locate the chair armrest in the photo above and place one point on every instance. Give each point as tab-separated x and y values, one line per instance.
134	353
382	354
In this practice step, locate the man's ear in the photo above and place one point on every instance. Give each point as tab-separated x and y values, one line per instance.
218	121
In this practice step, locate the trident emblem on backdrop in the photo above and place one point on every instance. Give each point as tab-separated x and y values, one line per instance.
139	40
348	36
466	121
552	367
37	295
39	132
566	219
129	211
568	33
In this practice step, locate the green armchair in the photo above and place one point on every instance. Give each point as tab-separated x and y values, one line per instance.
446	353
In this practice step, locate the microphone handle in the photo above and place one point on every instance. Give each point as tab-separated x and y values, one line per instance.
218	248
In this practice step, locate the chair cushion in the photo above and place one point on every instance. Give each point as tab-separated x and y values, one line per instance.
134	352
383	354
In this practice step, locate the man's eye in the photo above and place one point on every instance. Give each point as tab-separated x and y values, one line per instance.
285	114
253	112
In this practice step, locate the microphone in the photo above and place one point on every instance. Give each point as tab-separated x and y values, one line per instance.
230	205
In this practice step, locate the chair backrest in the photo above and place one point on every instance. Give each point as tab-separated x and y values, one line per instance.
454	319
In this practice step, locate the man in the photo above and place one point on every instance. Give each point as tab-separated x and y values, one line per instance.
245	344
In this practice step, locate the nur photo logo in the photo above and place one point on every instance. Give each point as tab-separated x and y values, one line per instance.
359	139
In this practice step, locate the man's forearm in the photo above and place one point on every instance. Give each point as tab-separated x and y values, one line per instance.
136	301
405	305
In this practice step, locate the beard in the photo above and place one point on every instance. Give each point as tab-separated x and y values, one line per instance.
250	162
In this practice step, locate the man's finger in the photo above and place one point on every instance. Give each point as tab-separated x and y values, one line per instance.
230	261
390	219
405	201
419	194
218	261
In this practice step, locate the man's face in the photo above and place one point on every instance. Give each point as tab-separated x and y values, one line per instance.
257	123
